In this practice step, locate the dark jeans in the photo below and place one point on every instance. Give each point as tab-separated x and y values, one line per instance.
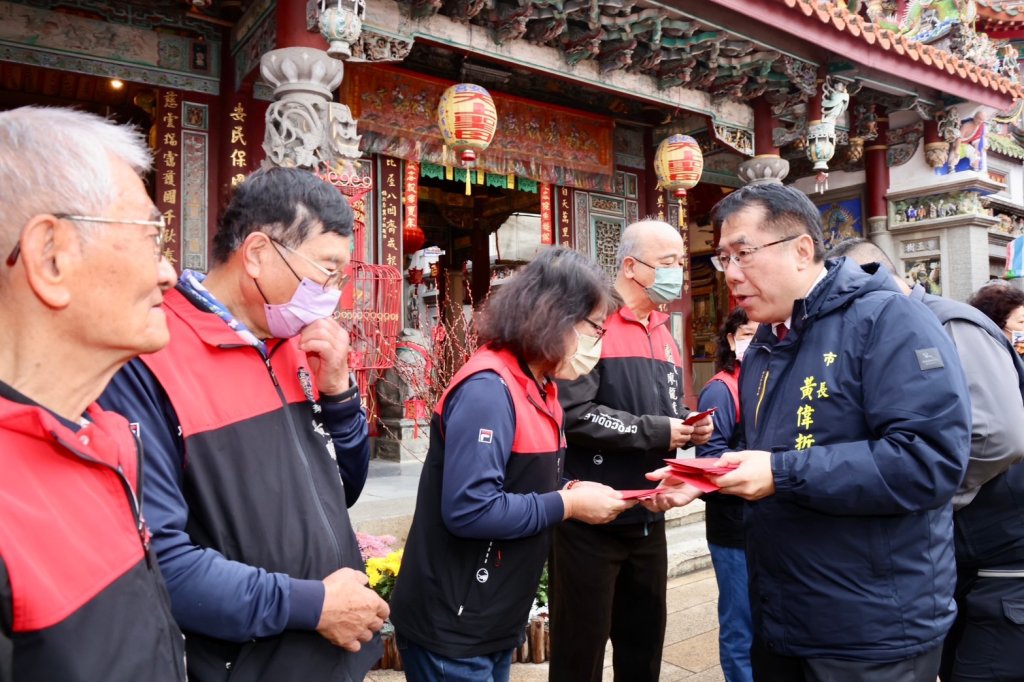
772	667
608	581
735	633
423	665
986	642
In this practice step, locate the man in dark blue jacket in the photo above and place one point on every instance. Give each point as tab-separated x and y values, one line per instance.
857	419
987	639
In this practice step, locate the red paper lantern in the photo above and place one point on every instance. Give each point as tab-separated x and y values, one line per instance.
467	119
413	239
678	163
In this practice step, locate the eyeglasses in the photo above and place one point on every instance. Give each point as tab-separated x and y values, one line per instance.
335	278
653	267
158	238
599	331
743	257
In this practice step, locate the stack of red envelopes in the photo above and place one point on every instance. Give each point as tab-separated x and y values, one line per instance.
692	471
696	471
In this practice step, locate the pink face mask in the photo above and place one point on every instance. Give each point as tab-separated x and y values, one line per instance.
309	303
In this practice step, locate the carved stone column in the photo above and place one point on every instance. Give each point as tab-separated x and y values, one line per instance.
304	127
767	165
763	168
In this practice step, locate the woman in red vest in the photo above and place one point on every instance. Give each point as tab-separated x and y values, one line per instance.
724	513
492	486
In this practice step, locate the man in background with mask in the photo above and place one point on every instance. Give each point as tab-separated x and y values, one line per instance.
621	420
256	444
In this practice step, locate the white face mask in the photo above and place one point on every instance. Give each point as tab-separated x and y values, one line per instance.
741	348
588	352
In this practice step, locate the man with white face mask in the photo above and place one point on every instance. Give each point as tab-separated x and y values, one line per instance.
256	444
621	420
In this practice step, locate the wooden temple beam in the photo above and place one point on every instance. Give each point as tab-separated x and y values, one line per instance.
877	171
291	27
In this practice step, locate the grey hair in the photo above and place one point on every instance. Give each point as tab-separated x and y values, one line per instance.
630	243
863	251
55	160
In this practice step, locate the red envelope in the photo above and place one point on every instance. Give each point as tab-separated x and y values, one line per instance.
696	471
698	481
641	494
701	465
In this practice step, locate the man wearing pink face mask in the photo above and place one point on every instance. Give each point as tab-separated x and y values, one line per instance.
256	444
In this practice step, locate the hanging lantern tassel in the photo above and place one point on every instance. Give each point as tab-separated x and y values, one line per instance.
681	198
468	156
821	182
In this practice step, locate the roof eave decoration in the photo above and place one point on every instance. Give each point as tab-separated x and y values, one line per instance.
839	18
1000	11
658	41
1005	145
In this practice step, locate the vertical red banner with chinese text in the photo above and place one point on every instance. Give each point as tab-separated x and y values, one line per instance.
390	211
167	157
410	195
237	162
547	223
563	207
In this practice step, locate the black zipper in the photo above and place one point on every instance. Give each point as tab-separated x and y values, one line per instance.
561	435
302	456
135	504
654	384
140	467
762	382
133	500
483	565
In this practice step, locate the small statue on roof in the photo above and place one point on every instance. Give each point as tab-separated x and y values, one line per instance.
834	100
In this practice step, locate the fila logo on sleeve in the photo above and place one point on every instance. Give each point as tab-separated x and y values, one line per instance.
485	436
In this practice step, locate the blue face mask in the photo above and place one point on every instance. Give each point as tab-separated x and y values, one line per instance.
668	285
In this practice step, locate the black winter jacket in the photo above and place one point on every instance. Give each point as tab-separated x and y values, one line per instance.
866	412
617	416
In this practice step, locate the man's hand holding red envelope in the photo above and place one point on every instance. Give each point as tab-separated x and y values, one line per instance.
746	474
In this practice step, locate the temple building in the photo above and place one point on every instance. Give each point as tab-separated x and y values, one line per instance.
901	119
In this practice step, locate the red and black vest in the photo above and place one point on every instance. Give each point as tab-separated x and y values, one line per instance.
87	601
260	480
640	375
732	382
480	591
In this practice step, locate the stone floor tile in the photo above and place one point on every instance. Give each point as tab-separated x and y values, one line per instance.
695	654
691	638
690	622
690	594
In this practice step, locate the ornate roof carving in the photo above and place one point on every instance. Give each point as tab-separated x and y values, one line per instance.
1000	11
937	33
632	35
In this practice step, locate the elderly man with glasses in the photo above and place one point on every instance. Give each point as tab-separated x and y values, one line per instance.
81	597
855	436
256	445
